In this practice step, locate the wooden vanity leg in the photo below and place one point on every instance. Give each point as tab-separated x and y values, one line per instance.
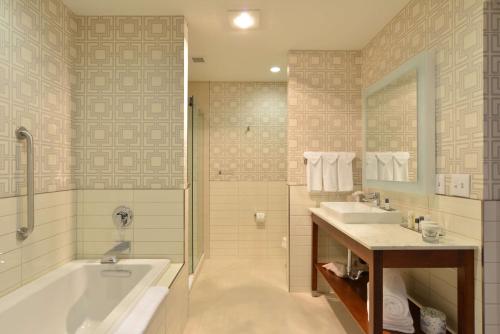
376	293
465	292
314	260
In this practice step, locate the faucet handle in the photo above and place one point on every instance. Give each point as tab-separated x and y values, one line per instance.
123	216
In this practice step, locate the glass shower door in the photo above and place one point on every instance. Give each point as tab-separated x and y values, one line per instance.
195	176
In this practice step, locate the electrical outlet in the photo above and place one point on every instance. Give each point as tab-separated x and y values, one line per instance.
460	185
440	184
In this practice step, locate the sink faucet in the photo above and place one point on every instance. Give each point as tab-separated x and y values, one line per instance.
111	256
371	197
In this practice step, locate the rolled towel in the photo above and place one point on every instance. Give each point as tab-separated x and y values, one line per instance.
395	297
337	268
396	310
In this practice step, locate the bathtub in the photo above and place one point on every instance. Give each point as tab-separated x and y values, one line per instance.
80	297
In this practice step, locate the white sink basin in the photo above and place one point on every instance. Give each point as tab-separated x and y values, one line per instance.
360	213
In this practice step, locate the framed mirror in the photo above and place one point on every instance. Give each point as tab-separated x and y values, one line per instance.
399	129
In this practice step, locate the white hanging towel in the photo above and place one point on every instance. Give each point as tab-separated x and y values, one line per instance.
345	179
371	166
385	166
401	166
314	175
330	171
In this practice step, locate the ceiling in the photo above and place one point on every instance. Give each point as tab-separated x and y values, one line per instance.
284	25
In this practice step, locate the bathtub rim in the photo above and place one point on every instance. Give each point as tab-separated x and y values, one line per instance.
126	305
158	268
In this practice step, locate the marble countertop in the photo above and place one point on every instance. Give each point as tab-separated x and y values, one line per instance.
393	236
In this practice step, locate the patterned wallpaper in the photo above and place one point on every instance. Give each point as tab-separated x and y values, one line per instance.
36	83
324	107
392	119
454	29
491	100
128	103
248	131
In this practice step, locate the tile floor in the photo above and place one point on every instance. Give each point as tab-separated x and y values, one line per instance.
250	296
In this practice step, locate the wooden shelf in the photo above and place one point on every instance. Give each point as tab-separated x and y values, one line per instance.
353	296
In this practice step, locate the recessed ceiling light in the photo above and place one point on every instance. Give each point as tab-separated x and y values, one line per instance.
275	69
246	19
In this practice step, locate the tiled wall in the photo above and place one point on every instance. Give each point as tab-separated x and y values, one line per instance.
324	107
491	211
391	123
233	230
52	243
300	236
157	230
36	83
128	116
247	169
453	29
248	131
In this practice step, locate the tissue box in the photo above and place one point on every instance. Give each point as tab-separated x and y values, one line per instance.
432	321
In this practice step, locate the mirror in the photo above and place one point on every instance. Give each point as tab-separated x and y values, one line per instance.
399	123
391	130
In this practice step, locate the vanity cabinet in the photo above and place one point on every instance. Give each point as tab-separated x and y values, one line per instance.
453	252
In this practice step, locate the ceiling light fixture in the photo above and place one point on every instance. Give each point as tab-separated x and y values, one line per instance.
275	69
244	19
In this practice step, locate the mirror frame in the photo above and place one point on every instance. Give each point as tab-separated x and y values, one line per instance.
423	63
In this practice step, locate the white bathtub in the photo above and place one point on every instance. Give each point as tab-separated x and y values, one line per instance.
80	297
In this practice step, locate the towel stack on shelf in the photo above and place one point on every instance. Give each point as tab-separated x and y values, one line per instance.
396	310
329	171
387	166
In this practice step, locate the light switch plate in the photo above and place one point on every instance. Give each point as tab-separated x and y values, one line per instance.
460	185
440	184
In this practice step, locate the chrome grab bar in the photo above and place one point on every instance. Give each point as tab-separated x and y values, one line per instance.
24	231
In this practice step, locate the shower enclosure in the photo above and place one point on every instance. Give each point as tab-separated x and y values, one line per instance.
195	179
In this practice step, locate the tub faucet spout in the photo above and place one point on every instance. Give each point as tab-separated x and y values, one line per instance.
111	256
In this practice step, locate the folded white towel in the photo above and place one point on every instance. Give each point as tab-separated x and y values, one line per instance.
345	180
371	166
137	321
401	166
385	166
337	268
330	171
396	310
314	175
